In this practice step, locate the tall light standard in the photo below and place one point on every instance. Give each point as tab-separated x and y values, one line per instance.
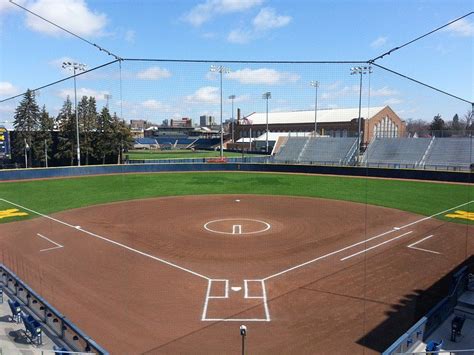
315	84
221	70
232	97
360	71
266	96
76	67
107	97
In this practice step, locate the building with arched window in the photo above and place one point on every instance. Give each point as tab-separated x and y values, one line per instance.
376	122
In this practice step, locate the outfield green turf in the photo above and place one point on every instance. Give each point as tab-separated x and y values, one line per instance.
54	195
176	154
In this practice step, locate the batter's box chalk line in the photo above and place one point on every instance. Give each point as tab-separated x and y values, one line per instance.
220	289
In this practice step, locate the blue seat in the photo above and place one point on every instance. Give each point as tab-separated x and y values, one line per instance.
32	329
16	310
434	346
60	350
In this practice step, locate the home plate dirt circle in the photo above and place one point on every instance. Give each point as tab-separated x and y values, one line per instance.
237	226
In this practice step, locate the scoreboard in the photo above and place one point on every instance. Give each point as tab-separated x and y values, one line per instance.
4	143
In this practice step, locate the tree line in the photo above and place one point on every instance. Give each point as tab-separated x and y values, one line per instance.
438	127
43	138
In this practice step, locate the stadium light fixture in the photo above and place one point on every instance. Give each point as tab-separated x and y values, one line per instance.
76	67
232	98
267	96
360	71
315	84
221	70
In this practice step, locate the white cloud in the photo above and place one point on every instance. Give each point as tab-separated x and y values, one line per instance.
204	12
6	6
99	95
239	36
379	42
206	94
155	105
73	15
153	73
130	36
268	19
385	91
392	101
8	89
462	28
344	92
262	76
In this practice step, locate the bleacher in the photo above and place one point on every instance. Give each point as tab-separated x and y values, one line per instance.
328	150
396	152
450	153
291	149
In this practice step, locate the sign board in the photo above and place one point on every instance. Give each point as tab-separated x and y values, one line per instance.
4	143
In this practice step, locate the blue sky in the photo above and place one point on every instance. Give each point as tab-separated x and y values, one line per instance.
32	51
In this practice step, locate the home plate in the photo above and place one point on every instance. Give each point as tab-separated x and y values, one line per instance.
237	200
236	288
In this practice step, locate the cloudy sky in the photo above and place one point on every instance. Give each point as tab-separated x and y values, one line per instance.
238	30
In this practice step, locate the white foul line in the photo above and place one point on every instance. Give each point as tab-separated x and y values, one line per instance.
51	241
362	242
376	246
412	246
109	240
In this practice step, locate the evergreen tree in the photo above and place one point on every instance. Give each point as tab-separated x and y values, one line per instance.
437	125
103	142
66	121
44	140
89	126
26	121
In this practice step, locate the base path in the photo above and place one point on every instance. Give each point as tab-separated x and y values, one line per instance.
180	274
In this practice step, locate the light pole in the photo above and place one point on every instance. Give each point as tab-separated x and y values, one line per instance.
76	67
107	97
220	69
315	84
266	96
360	71
232	97
27	147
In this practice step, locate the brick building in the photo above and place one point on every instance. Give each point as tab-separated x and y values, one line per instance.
381	122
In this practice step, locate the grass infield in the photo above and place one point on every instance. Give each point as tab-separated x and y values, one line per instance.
53	195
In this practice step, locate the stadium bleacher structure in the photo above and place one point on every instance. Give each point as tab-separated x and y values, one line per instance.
411	153
318	150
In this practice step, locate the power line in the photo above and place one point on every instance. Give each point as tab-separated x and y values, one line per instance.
418	38
421	83
102	49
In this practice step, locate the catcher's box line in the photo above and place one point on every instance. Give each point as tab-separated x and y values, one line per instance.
247	295
80	229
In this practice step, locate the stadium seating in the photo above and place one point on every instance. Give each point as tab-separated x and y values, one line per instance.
450	153
32	329
291	150
329	150
16	310
396	152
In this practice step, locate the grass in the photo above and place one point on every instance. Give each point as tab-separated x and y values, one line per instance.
176	154
53	195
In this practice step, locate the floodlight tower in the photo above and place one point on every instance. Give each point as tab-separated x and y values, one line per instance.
232	97
76	67
267	96
315	84
360	71
221	70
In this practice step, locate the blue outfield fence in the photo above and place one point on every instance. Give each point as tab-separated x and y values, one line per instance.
43	173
